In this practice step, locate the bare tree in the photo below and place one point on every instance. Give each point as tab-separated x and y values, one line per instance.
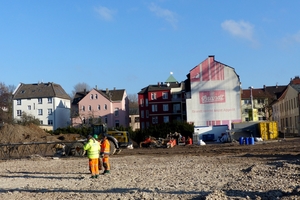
80	87
133	100
6	102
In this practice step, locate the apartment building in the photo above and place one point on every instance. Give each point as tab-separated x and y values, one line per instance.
47	102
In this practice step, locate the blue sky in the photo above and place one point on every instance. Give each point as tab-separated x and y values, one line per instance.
131	44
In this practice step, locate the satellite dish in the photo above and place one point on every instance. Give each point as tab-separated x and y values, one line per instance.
168	84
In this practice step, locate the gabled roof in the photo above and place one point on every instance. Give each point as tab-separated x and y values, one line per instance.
40	90
111	95
159	87
256	93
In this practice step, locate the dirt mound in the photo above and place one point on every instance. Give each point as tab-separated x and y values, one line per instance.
14	133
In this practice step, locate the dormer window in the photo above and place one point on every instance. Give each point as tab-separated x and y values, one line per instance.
40	100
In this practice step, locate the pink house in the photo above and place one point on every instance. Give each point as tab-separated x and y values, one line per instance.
100	106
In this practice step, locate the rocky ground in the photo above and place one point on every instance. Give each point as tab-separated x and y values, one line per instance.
266	170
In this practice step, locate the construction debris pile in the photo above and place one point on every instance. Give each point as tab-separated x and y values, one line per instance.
170	141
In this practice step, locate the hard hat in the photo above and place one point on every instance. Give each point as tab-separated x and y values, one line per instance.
95	136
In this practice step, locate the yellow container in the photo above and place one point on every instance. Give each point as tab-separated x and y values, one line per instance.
268	130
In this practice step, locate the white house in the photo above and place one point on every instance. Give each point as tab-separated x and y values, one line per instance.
47	102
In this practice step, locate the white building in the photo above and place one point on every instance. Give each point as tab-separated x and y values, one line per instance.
215	94
47	102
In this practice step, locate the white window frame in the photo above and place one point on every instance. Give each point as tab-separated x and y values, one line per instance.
49	99
90	108
19	112
40	111
153	96
40	101
142	102
29	107
19	102
50	122
91	96
99	107
105	106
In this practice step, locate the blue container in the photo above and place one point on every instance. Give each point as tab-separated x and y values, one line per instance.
247	141
241	140
251	140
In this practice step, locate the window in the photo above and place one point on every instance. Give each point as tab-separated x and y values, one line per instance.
99	107
165	107
19	112
83	120
166	119
50	122
247	101
142	102
146	101
96	96
49	111
105	106
153	96
92	96
142	114
260	100
83	108
40	100
19	102
147	113
29	107
49	100
154	108
165	95
90	107
40	111
117	123
41	122
136	119
105	119
116	112
154	120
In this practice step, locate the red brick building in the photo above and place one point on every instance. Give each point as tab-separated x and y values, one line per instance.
162	103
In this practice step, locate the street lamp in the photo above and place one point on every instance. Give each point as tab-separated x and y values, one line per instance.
251	96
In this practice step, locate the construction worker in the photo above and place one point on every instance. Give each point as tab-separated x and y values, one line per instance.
99	159
105	151
92	147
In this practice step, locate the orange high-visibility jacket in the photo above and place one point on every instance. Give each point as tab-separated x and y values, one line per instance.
105	146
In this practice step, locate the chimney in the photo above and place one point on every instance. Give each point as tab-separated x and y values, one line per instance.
96	87
106	90
84	91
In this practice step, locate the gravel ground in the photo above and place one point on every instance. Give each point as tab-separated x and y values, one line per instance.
174	176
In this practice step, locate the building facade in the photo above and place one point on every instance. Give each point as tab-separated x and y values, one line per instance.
261	101
162	103
215	94
47	102
109	107
286	109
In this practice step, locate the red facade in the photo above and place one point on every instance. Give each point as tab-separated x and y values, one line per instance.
157	104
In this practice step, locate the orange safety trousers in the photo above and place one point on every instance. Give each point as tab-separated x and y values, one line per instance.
106	163
93	164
